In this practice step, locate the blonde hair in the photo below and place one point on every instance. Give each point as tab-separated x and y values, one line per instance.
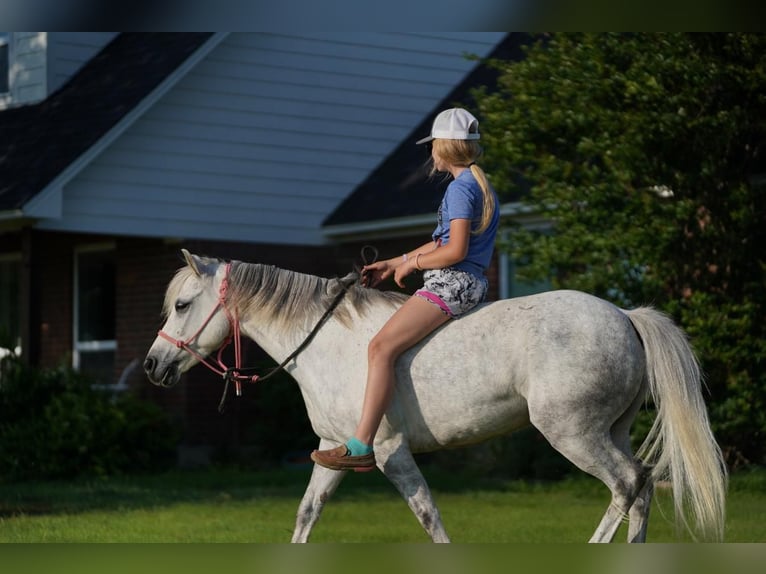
465	153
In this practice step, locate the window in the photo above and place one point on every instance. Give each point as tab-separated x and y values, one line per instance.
10	289
510	286
94	325
5	62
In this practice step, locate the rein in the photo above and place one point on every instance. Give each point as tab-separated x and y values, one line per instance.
234	373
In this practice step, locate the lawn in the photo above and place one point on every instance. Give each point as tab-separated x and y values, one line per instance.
229	505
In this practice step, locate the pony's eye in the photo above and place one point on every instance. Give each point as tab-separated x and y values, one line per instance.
181	305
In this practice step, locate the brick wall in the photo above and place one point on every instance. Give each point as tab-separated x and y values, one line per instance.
143	269
52	269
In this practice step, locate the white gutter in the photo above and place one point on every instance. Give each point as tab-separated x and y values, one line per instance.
11	214
378	226
399	226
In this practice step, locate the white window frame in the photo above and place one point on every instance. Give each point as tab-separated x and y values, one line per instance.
86	346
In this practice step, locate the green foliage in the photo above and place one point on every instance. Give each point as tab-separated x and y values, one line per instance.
53	424
280	426
644	151
522	455
527	455
731	333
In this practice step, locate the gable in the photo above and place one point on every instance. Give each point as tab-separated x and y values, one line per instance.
48	138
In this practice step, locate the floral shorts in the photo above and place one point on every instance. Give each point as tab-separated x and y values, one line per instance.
455	292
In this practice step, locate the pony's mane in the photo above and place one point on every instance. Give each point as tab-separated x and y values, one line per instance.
284	297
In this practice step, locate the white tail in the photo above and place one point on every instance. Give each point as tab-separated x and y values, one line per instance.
680	445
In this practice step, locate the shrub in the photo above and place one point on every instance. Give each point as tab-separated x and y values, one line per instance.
54	424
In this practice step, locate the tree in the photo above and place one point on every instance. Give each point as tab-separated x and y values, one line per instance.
646	154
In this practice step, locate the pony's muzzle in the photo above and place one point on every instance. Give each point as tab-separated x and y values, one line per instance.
161	377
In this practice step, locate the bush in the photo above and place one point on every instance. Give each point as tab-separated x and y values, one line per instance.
53	424
278	425
526	454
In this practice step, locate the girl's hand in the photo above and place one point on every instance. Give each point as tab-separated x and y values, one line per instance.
403	270
374	273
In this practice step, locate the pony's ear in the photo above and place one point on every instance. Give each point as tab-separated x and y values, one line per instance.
196	263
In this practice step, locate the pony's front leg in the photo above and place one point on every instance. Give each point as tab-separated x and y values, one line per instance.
400	468
322	484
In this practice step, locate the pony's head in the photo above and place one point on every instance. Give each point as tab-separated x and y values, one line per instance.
196	323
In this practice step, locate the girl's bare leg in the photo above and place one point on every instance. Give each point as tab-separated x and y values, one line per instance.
412	322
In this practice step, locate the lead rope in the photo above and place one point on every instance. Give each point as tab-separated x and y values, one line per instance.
235	373
372	259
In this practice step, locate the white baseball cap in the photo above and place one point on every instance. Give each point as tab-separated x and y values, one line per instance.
453	124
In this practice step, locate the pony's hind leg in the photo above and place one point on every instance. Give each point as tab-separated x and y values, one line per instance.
594	452
400	468
639	513
322	485
633	494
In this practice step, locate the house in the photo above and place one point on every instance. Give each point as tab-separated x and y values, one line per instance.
118	149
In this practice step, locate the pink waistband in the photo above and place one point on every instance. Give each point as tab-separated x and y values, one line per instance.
435	299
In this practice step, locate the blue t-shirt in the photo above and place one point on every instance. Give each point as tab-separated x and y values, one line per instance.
464	200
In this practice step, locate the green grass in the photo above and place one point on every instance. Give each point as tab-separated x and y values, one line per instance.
227	505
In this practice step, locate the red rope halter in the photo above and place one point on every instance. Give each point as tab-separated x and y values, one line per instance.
228	373
235	373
